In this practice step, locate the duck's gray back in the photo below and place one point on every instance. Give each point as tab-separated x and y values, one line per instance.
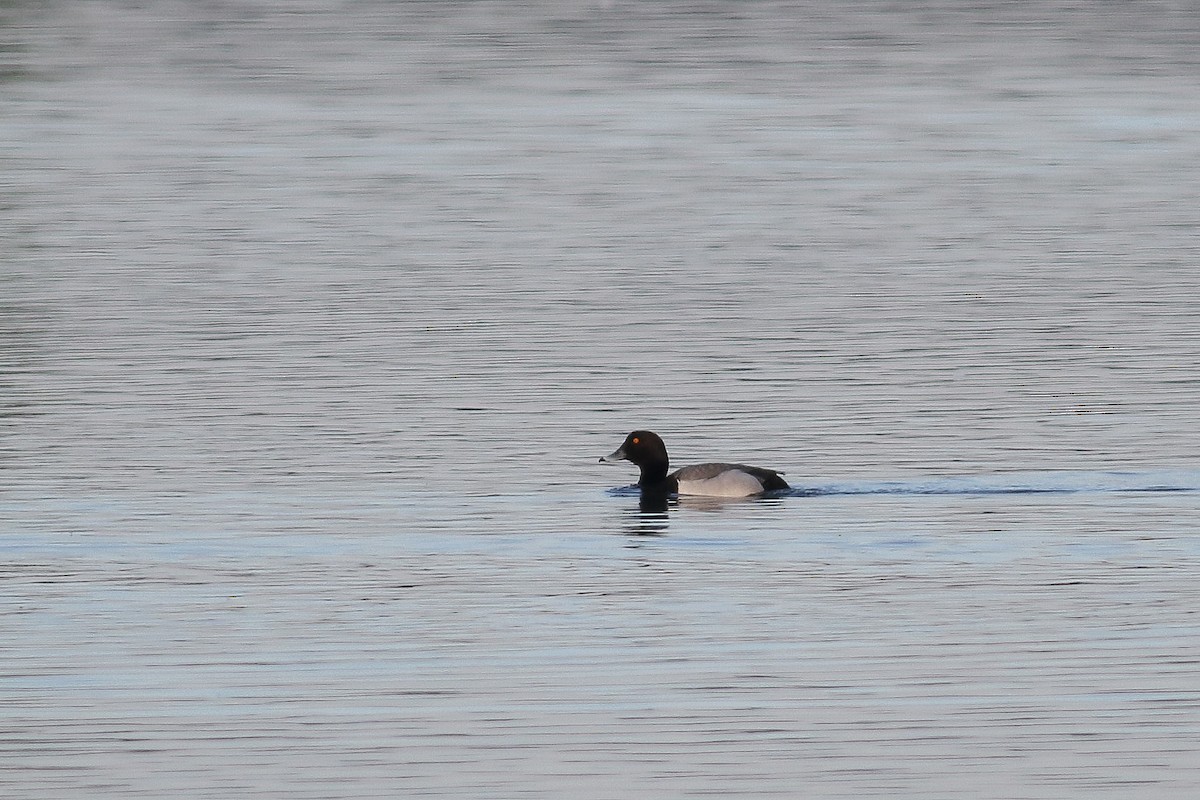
701	472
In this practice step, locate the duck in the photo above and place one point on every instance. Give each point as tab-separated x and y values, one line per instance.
646	449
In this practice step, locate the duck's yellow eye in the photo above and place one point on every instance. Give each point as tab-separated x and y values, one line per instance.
636	440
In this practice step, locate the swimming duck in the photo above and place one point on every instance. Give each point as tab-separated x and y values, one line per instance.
647	450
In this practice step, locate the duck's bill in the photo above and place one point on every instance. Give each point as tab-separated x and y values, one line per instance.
615	455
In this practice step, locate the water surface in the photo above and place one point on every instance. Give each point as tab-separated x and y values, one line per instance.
314	319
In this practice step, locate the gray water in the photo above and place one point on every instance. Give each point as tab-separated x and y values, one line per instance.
315	317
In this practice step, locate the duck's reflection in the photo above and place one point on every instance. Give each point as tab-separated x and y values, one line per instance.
651	516
650	503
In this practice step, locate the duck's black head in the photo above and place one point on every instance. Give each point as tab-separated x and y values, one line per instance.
647	450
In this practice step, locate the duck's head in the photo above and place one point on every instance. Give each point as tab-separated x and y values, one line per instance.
642	448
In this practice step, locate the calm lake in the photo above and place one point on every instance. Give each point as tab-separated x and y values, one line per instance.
316	316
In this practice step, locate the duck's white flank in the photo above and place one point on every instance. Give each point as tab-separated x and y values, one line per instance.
731	483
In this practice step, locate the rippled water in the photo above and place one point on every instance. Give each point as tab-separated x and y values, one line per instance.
315	317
